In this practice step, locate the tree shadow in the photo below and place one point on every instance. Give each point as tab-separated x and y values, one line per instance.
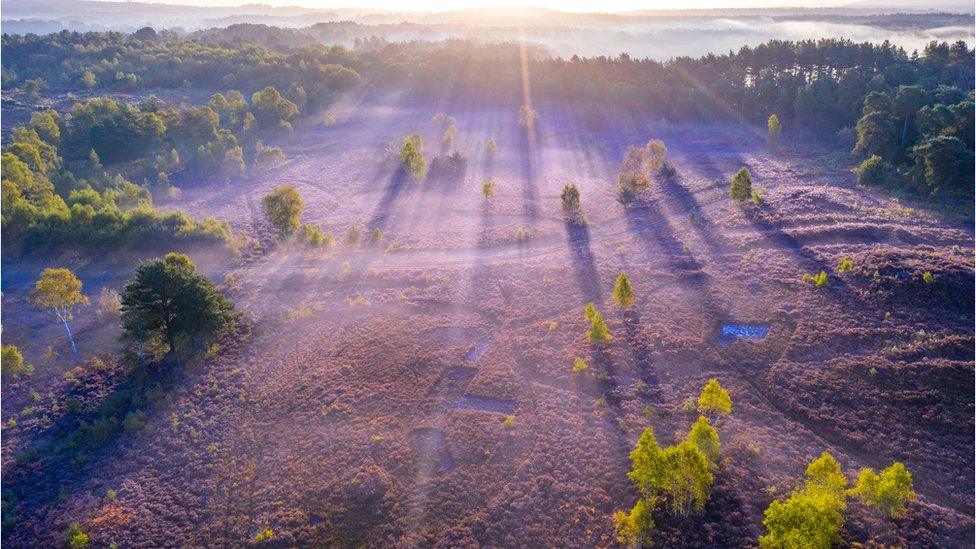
641	353
584	263
383	209
652	228
528	159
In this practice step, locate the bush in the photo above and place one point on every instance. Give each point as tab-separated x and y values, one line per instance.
12	363
819	280
846	265
75	537
741	187
488	188
376	237
873	172
579	366
312	235
527	117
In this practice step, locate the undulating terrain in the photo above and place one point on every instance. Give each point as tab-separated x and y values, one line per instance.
419	391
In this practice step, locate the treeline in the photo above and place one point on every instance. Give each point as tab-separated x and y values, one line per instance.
56	190
918	140
148	60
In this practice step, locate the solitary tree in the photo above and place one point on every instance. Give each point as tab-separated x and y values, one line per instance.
598	333
741	188
283	206
889	491
714	399
623	293
168	303
774	128
60	290
589	311
570	198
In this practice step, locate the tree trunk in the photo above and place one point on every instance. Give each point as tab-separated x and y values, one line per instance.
904	133
71	339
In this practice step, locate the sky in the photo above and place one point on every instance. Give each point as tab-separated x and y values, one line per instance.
589	6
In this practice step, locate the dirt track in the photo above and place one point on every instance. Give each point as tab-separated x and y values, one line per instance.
368	405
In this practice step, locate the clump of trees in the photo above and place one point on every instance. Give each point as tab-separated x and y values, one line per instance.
412	156
640	166
917	140
679	477
171	309
59	290
813	515
283	207
451	167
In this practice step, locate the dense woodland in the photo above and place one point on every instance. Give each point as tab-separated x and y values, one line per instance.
85	175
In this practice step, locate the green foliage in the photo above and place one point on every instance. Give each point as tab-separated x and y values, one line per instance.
825	473
808	519
773	128
589	311
570	198
579	366
889	491
947	166
741	188
598	334
927	277
312	235
705	438
714	400
630	528
59	290
846	265
264	535
488	188
874	171
75	537
272	110
412	156
623	293
12	363
680	472
819	280
283	206
168	304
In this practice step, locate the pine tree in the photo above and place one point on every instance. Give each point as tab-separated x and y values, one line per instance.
741	188
774	128
598	333
623	293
